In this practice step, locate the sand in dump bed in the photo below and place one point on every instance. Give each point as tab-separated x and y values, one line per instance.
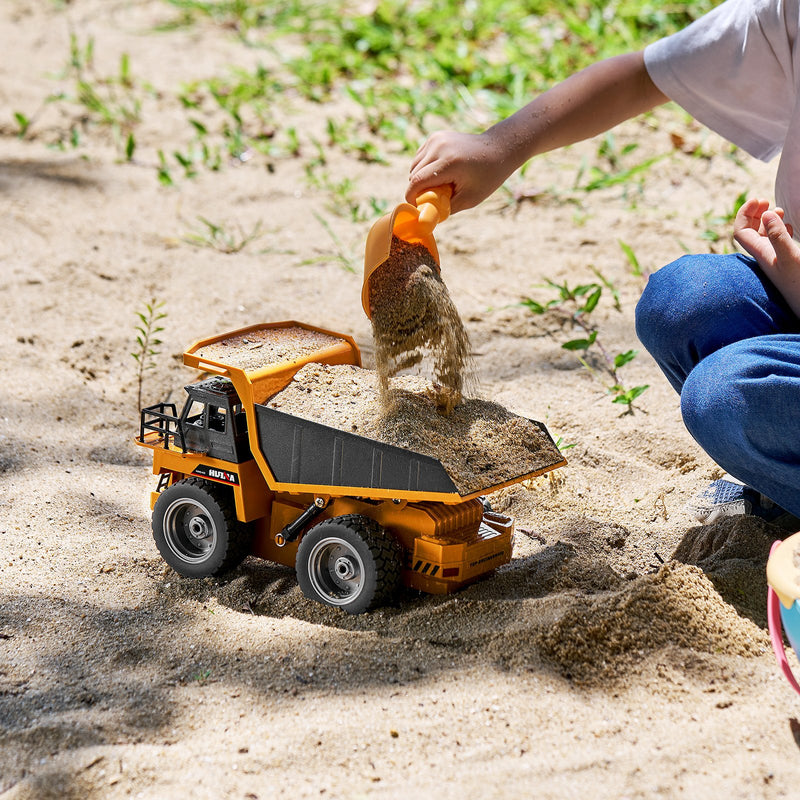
259	348
480	444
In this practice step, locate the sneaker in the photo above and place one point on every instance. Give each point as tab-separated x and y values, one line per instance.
728	497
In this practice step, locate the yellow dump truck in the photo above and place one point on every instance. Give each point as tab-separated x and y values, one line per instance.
355	517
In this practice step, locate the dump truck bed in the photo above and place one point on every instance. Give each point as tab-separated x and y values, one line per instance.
340	426
301	451
261	359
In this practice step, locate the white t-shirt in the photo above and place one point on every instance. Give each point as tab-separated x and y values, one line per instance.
737	70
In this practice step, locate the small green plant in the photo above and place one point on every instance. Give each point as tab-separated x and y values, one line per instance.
224	240
147	342
636	267
343	200
201	677
346	136
23	122
600	178
111	102
612	289
626	396
574	305
163	171
345	259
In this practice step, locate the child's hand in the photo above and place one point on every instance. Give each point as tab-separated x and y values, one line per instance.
763	234
472	163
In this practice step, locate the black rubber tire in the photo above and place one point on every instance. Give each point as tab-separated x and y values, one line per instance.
337	547
196	531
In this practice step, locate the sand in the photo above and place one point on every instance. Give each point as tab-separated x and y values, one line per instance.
586	667
261	348
414	318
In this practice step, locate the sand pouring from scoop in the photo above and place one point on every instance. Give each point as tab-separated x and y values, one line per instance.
413	224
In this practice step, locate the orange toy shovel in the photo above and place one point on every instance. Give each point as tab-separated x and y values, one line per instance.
413	224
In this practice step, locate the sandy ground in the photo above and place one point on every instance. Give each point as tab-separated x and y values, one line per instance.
583	668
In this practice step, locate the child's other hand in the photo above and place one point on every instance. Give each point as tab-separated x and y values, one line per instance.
472	163
763	234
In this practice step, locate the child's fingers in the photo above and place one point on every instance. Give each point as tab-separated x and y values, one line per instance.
782	214
420	155
748	215
779	236
754	206
428	176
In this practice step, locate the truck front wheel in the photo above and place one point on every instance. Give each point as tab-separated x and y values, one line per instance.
349	562
196	530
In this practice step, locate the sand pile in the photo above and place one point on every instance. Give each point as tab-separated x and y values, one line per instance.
480	444
733	553
592	638
413	316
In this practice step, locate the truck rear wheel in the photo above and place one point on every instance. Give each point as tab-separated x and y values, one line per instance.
196	530
349	562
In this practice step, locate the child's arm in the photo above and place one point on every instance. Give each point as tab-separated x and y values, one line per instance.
763	234
585	104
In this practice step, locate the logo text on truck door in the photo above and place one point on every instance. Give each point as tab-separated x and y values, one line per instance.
217	474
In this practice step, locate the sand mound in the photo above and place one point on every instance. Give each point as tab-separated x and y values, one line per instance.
733	553
594	638
559	609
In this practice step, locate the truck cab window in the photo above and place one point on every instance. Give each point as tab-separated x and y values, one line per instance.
195	415
216	418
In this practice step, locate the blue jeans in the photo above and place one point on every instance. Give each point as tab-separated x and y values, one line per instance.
729	344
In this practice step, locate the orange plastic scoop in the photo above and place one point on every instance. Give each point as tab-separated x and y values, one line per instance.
414	224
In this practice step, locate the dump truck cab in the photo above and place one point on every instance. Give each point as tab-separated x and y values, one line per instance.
213	421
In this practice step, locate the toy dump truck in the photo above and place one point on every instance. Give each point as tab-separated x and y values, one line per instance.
355	517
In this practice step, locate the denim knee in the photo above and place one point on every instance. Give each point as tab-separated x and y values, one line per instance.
669	296
740	405
673	311
698	304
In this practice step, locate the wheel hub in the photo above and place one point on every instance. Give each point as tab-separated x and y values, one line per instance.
344	568
199	528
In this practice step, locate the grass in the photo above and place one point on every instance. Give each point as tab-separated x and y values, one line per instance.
223	237
347	258
109	102
454	63
717	227
394	77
